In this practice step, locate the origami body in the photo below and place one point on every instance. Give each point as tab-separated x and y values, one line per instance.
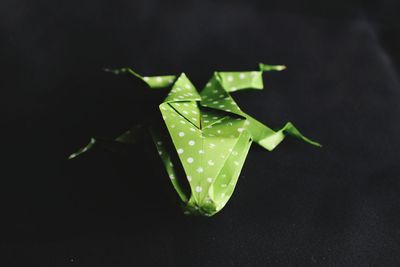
210	135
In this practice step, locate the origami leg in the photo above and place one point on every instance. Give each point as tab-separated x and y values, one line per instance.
239	80
261	134
129	137
153	82
269	139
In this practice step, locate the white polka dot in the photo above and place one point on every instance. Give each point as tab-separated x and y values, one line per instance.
187	86
171	176
209	180
201	151
180	150
211	145
146	78
159	143
223	185
209	84
242	76
160	153
246	122
192	129
198	189
240	130
210	162
159	79
189	178
194	112
199	169
191	143
181	134
236	163
190	160
229	78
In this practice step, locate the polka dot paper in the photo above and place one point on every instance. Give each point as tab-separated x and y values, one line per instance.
203	137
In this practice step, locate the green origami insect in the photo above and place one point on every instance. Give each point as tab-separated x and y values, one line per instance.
205	137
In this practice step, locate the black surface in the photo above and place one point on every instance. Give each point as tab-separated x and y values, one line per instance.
296	206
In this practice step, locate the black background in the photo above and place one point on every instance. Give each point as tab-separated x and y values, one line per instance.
296	206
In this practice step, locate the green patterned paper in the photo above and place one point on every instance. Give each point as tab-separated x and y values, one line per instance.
206	136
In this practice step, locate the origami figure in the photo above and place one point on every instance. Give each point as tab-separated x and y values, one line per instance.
206	137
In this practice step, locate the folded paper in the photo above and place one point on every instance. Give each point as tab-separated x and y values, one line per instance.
205	137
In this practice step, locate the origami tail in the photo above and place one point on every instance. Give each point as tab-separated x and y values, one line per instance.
154	82
269	139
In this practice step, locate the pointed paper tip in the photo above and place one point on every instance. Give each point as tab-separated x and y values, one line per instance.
116	71
314	143
280	67
266	67
72	156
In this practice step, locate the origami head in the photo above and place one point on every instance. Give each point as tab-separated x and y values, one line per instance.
206	136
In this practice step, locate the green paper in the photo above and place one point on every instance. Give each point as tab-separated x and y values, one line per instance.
209	133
